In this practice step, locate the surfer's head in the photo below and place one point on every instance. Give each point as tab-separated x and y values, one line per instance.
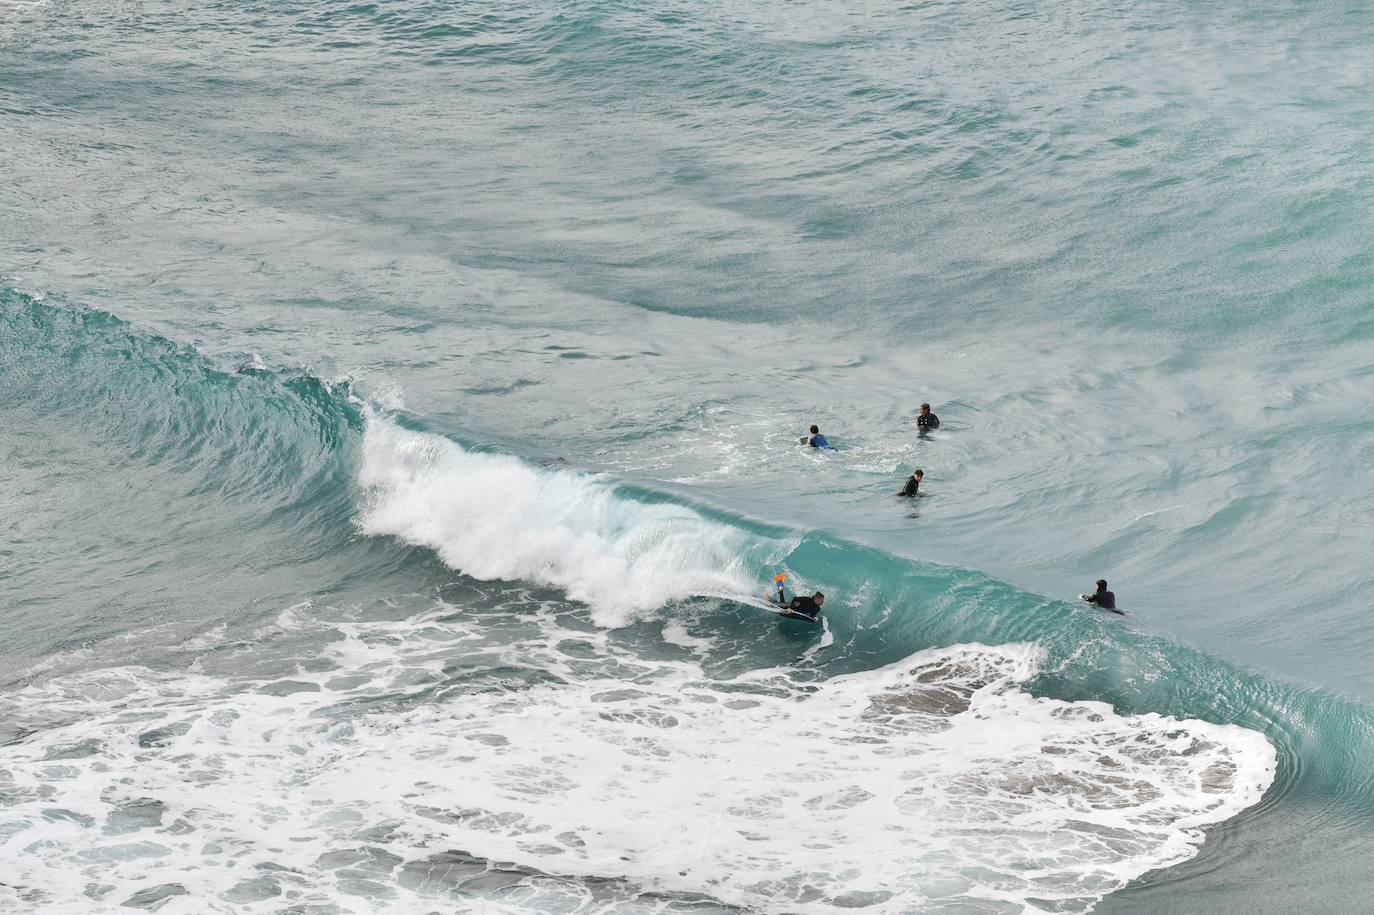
815	429
819	598
1102	584
918	473
925	408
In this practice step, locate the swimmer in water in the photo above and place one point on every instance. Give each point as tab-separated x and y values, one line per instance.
1102	597
816	440
913	484
927	420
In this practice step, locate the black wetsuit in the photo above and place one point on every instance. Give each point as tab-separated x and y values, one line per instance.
1103	598
912	485
805	606
927	421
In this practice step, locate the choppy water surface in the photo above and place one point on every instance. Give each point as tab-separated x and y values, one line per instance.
384	386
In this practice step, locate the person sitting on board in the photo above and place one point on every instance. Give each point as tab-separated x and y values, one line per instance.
927	420
816	440
913	484
1102	597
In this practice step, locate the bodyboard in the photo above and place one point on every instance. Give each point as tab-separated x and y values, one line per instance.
764	603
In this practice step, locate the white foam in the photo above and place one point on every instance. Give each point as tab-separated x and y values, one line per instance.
496	517
675	633
933	784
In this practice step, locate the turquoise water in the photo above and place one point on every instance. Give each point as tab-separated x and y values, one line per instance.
390	393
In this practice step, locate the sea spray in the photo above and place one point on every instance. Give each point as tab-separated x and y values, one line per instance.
496	517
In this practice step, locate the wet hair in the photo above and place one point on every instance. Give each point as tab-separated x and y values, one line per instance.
1102	582
925	406
815	429
918	473
818	596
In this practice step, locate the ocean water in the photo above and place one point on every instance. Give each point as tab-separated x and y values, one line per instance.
393	396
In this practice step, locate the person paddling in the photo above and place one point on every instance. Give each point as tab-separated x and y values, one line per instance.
927	420
816	440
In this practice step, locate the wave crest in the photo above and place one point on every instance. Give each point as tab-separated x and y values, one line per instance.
495	517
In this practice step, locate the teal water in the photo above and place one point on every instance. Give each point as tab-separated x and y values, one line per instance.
384	385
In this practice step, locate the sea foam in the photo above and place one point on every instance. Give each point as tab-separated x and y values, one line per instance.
496	517
410	762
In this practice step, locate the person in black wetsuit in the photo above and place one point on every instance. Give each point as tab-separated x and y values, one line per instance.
927	420
809	607
913	484
1102	597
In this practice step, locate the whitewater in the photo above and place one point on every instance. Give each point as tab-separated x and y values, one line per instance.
399	406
